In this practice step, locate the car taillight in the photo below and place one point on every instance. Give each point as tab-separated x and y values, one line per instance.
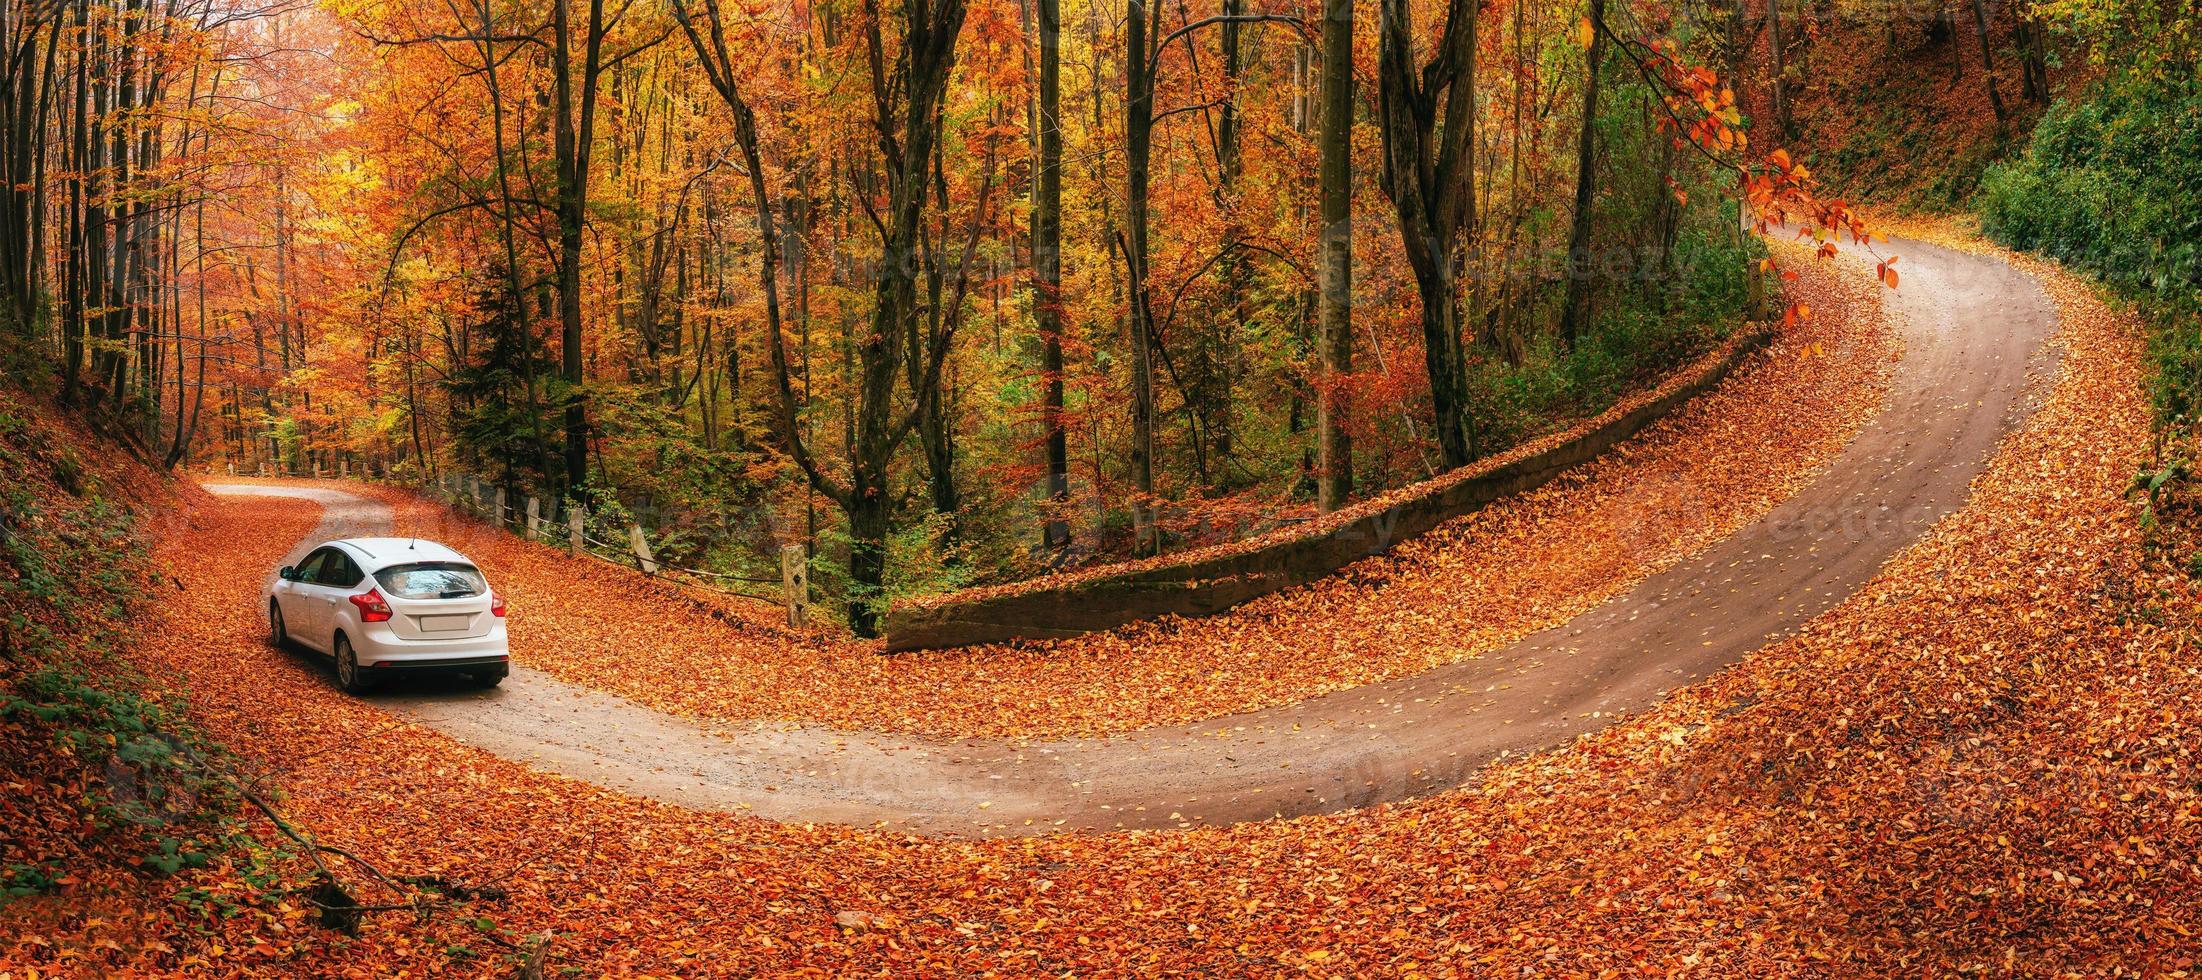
372	607
497	605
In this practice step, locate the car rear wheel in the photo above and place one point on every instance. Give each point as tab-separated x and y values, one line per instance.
490	677
277	635
348	676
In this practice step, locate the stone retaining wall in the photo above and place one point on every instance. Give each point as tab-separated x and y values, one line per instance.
1210	580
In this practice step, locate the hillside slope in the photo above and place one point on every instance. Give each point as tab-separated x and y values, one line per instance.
1890	104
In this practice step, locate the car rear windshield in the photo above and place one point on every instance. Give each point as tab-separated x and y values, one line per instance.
433	580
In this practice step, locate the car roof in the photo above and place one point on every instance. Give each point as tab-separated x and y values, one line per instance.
382	553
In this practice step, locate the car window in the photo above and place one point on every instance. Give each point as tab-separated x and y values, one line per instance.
433	580
338	571
310	569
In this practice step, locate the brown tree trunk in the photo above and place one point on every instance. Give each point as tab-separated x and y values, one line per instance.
1988	60
573	131
1138	147
1220	344
907	124
1575	315
1429	122
1780	87
1334	445
2033	60
75	270
1047	267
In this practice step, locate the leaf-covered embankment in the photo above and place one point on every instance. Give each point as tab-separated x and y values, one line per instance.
105	792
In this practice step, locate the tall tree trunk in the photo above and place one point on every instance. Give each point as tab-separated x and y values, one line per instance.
1780	88
1429	170
508	233
1988	61
2033	61
1138	148
34	299
1220	344
1942	29
906	123
119	215
1047	268
28	81
75	271
185	429
906	145
1334	445
573	132
1575	315
935	431
99	194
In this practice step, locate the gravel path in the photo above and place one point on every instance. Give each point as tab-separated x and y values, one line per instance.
1973	332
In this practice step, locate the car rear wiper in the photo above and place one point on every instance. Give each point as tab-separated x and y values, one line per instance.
456	594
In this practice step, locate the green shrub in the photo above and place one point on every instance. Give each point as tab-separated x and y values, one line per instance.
2112	184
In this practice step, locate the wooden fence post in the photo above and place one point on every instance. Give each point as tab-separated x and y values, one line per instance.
795	584
535	518
500	515
641	545
343	469
577	518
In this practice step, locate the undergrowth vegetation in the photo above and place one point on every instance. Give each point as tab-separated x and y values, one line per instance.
2112	184
1640	335
101	772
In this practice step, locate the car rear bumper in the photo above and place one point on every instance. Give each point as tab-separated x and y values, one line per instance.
455	664
381	649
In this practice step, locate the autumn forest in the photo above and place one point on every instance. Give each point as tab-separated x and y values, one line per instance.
1122	487
985	291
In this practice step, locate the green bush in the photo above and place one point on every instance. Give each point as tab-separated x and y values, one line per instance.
2112	184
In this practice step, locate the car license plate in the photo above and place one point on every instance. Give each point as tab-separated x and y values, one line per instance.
444	624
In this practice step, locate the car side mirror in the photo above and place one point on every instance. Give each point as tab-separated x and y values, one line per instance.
288	574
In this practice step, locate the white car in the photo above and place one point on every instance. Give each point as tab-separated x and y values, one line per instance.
384	606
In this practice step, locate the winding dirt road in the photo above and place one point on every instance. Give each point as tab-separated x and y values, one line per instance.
1973	330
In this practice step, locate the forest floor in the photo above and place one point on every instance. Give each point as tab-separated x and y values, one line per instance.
1475	585
1983	759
